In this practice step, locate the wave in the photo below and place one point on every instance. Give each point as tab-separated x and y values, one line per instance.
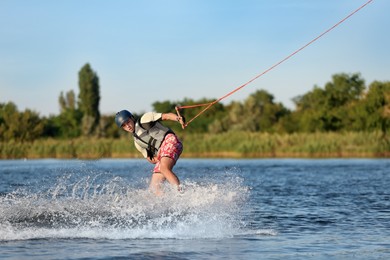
115	210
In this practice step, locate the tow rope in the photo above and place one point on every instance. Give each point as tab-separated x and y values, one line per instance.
208	105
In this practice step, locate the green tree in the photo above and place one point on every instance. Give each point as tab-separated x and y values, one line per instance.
376	107
233	119
343	89
51	126
259	112
288	123
109	128
89	98
328	109
19	126
68	101
8	121
310	110
69	120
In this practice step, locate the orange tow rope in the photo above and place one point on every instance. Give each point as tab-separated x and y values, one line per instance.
208	105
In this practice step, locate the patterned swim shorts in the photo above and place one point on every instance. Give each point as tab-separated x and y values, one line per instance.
171	147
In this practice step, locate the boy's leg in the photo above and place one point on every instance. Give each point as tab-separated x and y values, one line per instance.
155	182
166	165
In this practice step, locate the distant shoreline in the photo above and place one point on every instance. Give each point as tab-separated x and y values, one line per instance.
226	145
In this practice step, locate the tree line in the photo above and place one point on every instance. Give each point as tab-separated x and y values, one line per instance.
343	104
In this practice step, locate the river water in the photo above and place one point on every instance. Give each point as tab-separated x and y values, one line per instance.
230	209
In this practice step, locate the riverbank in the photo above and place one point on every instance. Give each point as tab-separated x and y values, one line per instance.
226	145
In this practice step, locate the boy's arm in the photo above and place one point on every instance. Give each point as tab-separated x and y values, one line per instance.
152	117
173	117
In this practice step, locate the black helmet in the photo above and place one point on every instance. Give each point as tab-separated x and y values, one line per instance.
122	116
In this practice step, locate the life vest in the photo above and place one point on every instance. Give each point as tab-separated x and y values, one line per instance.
150	136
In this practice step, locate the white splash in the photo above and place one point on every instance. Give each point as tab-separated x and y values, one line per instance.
112	210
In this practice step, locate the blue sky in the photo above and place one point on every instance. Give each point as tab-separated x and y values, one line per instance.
147	51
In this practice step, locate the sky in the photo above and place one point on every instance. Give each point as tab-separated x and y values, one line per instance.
155	50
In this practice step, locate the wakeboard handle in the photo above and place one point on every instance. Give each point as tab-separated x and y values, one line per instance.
183	125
